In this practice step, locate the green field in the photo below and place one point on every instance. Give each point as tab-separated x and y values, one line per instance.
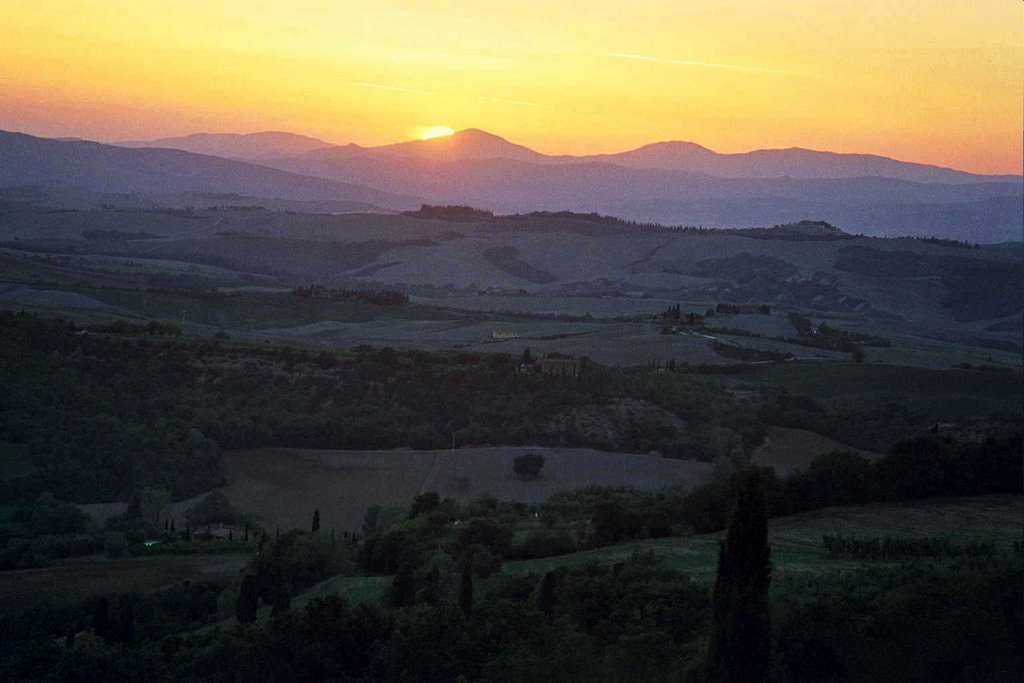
81	578
942	394
796	539
251	311
14	461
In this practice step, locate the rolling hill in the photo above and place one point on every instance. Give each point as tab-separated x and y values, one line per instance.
246	146
27	161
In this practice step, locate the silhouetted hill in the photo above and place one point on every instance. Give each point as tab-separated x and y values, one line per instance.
986	211
249	146
26	160
784	163
470	144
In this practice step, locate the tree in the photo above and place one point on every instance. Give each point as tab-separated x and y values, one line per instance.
101	619
528	465
403	586
739	646
466	585
282	602
248	601
424	503
316	520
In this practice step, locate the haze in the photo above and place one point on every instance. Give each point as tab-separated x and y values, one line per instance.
939	83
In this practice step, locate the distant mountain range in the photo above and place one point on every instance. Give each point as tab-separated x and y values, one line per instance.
248	146
477	145
30	161
673	183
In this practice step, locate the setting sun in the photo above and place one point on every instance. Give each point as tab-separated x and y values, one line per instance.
436	132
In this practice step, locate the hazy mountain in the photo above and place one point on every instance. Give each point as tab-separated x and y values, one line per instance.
689	157
249	146
470	144
26	160
986	211
784	163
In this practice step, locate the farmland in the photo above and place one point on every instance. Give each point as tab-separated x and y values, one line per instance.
796	539
787	449
283	486
80	579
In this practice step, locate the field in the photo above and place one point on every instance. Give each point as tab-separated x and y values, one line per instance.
76	580
283	486
14	461
787	449
944	394
796	539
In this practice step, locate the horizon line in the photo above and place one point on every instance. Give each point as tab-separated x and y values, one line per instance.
581	157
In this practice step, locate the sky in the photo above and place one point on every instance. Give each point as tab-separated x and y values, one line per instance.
935	81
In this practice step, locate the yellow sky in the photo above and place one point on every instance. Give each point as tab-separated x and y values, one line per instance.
938	81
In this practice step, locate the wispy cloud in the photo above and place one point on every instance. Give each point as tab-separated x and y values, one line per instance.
519	103
417	91
394	88
706	65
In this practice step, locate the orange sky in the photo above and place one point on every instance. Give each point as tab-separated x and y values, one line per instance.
938	81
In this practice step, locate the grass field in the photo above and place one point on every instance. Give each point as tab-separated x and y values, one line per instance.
14	461
79	579
796	539
943	394
787	449
283	486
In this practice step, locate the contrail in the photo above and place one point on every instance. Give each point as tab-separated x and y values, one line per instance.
707	65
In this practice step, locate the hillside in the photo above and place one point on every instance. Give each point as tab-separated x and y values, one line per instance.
26	160
248	146
977	209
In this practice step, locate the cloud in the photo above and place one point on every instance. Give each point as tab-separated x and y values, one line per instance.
416	91
706	65
394	88
519	103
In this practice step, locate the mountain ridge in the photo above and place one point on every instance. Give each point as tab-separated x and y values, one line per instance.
26	160
247	146
678	155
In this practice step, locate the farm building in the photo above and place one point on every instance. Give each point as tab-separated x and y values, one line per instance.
502	335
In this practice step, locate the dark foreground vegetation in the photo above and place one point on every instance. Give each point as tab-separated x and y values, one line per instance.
449	614
112	410
448	591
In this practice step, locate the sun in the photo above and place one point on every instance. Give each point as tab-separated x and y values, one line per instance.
436	132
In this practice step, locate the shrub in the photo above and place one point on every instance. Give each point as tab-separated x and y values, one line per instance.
528	465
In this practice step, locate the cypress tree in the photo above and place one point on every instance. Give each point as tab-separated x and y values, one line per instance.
403	587
282	602
466	585
248	601
548	588
101	619
739	647
316	520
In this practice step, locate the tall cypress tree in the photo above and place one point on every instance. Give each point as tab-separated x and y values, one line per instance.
739	646
403	586
248	601
316	520
466	585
